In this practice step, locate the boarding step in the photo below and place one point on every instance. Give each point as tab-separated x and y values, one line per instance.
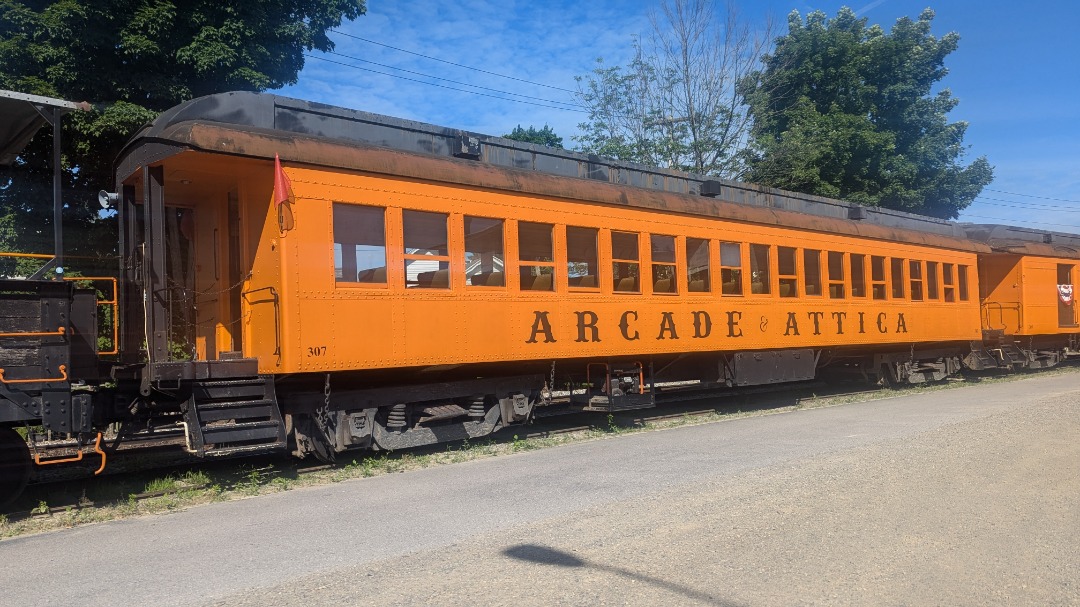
979	359
604	404
1010	356
225	417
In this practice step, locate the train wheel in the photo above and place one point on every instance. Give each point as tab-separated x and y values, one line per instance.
14	465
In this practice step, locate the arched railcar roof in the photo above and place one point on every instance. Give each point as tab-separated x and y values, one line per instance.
261	125
1024	241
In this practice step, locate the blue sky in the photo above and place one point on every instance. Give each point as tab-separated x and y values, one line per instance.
1016	74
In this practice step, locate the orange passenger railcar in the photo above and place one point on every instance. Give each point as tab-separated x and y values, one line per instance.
1026	289
395	283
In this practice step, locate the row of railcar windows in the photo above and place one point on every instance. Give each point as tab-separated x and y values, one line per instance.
360	257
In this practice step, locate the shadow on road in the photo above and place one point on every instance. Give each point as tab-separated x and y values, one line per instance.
543	555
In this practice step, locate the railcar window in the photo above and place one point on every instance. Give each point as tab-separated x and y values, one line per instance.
583	267
962	281
948	281
931	280
812	271
359	244
427	256
858	275
663	263
731	268
785	270
536	256
484	261
836	275
759	269
897	277
625	272
877	277
915	272
697	265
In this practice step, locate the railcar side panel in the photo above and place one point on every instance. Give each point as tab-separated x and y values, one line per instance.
391	317
1021	294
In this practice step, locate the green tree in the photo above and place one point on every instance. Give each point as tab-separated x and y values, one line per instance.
847	111
133	59
675	104
545	136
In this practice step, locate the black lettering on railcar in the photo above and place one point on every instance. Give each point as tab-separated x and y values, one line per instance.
588	329
792	327
733	319
590	324
624	325
541	325
839	316
702	324
667	325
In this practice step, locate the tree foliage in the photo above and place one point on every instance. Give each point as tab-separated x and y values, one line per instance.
545	136
675	104
133	59
848	111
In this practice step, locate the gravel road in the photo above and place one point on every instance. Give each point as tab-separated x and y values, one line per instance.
958	497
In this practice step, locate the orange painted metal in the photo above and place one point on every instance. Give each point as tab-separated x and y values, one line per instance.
58	332
295	317
1020	297
326	325
77	458
44	380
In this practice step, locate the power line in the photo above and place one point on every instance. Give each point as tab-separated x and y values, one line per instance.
565	109
1041	223
477	86
1025	206
468	67
1032	196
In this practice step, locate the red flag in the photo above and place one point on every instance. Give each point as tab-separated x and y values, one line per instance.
282	186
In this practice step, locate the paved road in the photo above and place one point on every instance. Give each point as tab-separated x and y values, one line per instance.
961	497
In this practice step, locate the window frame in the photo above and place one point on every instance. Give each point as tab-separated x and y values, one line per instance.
465	252
708	265
628	262
527	263
597	260
836	282
671	266
739	270
441	259
898	280
767	282
883	282
791	279
386	233
916	281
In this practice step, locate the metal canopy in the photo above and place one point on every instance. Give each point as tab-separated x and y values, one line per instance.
21	115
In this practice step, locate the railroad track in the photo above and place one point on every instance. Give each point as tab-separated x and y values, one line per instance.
162	454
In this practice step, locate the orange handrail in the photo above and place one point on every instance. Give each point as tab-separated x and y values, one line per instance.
77	458
63	377
58	331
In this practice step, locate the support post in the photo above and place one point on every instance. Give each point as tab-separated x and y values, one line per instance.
154	287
